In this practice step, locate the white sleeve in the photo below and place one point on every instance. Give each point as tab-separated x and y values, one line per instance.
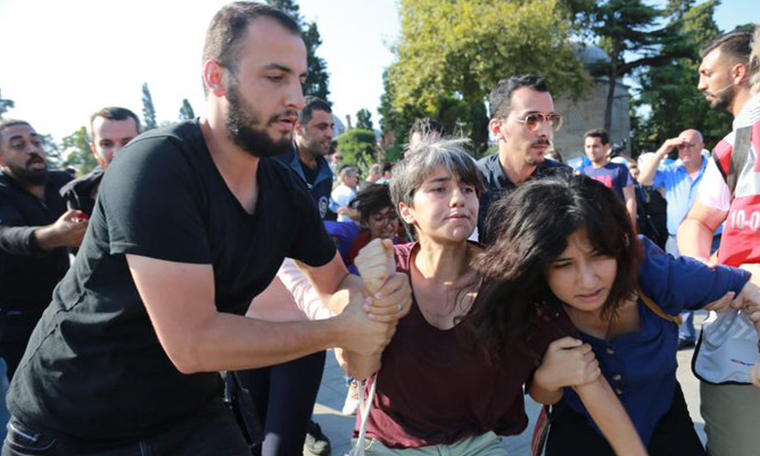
713	191
305	296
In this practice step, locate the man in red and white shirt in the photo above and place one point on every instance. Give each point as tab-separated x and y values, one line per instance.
728	344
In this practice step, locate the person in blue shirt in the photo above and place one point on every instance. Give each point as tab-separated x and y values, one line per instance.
596	144
680	181
566	245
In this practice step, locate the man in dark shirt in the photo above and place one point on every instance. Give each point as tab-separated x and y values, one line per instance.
313	134
191	223
35	230
523	121
111	129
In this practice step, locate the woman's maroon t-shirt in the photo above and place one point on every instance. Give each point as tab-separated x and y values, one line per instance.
434	388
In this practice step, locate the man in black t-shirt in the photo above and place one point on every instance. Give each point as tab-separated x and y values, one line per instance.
191	222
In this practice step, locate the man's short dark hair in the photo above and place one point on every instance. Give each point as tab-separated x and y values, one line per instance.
115	113
312	104
229	25
426	126
600	133
500	98
737	44
7	123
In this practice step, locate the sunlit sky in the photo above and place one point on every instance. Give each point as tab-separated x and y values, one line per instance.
63	60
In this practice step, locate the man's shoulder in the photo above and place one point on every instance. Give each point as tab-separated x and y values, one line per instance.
488	162
85	182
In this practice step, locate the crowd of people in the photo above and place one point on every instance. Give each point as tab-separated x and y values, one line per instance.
230	246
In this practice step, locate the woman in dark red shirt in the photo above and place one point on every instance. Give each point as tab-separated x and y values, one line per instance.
435	387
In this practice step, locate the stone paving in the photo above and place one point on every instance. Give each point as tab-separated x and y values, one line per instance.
338	428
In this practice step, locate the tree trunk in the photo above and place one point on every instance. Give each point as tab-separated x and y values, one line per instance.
610	100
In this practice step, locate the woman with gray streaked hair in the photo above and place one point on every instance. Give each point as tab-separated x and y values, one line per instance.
436	391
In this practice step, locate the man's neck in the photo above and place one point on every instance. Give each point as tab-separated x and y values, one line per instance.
36	190
693	167
237	167
740	99
600	164
307	158
514	166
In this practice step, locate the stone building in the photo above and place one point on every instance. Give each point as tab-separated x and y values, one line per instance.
588	113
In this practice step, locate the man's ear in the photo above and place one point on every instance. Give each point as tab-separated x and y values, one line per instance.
495	126
739	73
214	76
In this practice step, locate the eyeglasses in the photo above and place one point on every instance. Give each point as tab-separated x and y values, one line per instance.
534	121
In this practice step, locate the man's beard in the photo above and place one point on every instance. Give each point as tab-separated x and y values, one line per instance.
25	177
241	121
723	100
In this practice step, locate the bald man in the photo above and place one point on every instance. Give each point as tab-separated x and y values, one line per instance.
680	181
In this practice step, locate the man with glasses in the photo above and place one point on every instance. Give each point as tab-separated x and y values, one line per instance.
523	121
596	144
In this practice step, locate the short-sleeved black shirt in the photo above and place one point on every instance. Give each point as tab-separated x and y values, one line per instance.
94	370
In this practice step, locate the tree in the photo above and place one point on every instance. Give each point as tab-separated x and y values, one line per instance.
357	147
450	54
186	111
76	151
364	120
149	112
625	28
317	78
670	90
5	104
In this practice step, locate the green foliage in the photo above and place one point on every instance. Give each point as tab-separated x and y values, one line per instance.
186	111
450	55
364	120
76	153
625	28
670	89
317	78
357	147
5	104
149	112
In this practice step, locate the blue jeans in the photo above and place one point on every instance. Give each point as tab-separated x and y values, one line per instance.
212	431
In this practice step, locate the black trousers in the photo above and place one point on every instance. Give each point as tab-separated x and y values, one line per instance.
572	434
284	396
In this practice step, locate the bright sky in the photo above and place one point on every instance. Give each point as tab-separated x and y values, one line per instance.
63	60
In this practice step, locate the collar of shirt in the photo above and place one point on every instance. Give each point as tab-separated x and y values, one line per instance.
323	169
750	113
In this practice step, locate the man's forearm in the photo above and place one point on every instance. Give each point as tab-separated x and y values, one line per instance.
18	240
649	170
231	342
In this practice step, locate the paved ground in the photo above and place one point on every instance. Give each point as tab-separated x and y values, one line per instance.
338	428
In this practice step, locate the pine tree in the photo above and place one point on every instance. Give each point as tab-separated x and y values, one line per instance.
5	105
149	112
364	119
317	79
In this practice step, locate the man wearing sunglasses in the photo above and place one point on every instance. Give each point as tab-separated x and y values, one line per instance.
523	121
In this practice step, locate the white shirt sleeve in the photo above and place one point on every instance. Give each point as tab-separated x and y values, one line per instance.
305	296
713	190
